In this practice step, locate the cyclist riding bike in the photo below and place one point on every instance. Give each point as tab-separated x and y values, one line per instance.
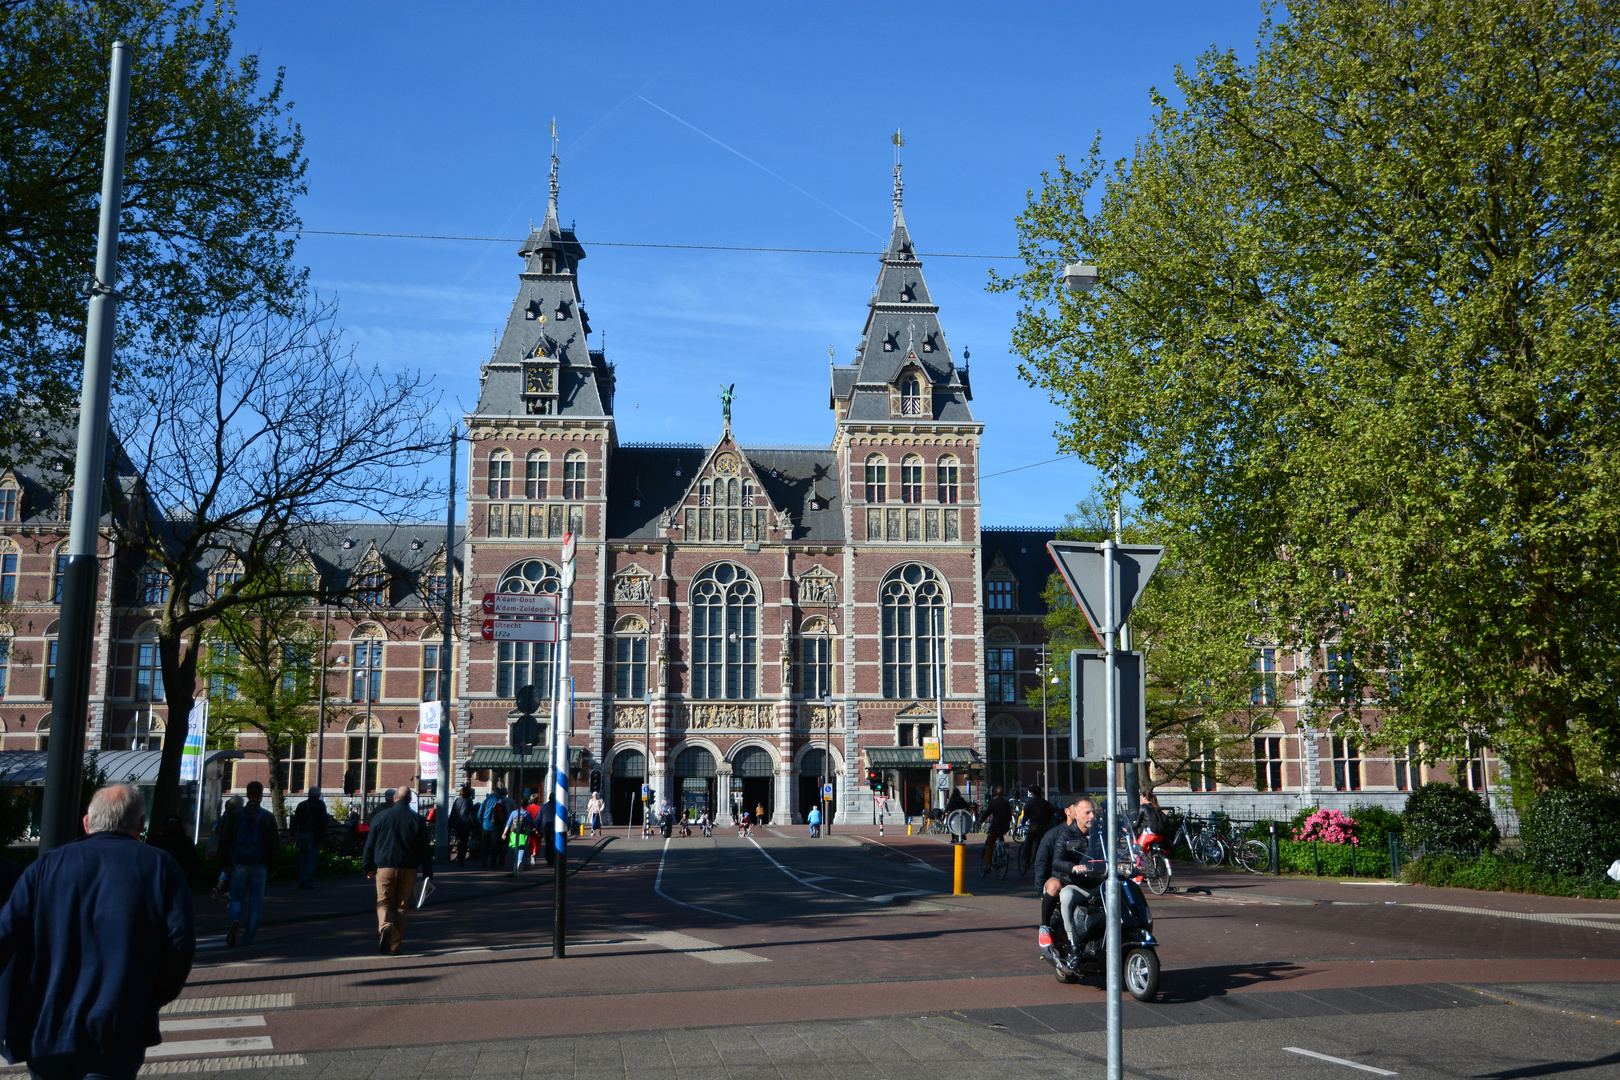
1059	864
1039	813
997	822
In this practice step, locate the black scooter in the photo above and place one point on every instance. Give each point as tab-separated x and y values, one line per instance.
1139	948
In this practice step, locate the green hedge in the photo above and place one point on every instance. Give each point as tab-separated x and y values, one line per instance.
1496	873
1298	857
1572	831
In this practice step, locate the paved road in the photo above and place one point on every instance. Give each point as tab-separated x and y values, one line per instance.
853	940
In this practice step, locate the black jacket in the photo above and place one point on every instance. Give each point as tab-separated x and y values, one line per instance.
269	835
998	815
398	841
311	817
1051	860
98	936
1040	813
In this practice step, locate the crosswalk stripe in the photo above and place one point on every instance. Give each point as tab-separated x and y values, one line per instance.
207	1023
221	1064
210	1046
236	1004
711	951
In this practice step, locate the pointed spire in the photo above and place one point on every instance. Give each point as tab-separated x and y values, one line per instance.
899	185
552	208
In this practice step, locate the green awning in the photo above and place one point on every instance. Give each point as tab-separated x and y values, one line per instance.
499	757
911	757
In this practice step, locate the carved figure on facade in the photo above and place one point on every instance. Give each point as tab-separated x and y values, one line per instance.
817	587
663	657
725	715
629	717
632	585
816	717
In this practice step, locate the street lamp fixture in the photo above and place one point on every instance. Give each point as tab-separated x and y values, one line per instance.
1079	277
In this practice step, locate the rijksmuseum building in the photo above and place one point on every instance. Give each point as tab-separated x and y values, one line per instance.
749	622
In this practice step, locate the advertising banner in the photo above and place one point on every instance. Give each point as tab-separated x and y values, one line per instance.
196	734
427	740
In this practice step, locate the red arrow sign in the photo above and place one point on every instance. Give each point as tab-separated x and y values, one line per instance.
520	630
519	604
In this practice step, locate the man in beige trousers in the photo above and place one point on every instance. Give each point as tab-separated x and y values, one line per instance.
396	848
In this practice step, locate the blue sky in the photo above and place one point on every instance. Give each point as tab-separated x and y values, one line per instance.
434	119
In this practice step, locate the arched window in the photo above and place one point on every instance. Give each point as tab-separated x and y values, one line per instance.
913	629
59	563
1001	752
725	646
815	659
5	660
362	743
574	475
9	556
877	479
630	658
10	500
527	663
51	644
911	396
500	474
948	473
42	734
143	731
911	479
536	474
367	663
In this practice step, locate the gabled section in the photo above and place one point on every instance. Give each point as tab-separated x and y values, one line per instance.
726	502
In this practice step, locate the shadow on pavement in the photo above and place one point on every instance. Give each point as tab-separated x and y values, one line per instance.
1181	985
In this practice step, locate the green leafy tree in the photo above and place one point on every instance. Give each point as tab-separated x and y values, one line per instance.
1198	642
1355	330
262	677
213	166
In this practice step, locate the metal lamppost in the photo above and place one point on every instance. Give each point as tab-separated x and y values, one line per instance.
827	710
320	724
647	696
1044	670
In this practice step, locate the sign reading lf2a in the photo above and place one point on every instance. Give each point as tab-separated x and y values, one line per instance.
520	629
1088	705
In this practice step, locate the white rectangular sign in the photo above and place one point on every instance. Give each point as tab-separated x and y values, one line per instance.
427	740
520	630
196	735
519	604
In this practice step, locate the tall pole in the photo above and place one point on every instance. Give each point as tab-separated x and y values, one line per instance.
939	692
1046	732
442	831
559	751
365	746
320	723
1111	892
70	707
826	753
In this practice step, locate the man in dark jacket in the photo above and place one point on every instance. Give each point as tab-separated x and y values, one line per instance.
309	826
99	936
463	821
249	848
997	822
396	847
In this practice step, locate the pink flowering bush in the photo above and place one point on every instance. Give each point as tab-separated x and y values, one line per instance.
1328	826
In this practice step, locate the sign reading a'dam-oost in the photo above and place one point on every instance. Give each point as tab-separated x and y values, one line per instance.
540	604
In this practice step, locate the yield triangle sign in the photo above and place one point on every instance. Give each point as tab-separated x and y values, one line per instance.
1081	564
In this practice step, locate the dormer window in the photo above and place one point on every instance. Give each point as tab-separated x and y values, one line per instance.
532	311
10	502
910	396
562	311
928	343
890	344
908	293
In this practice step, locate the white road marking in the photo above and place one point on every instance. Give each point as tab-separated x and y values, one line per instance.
658	887
238	1003
226	1064
1339	1061
210	1046
1557	918
206	1023
713	952
897	851
886	898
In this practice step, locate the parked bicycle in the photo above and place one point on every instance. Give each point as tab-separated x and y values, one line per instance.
1213	845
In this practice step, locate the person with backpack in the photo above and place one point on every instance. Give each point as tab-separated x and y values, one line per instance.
516	835
248	846
309	826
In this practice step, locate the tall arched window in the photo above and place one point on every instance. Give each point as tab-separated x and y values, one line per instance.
911	479
877	479
5	660
574	475
500	475
913	629
949	473
725	627
910	396
815	659
630	658
536	474
527	663
9	559
146	681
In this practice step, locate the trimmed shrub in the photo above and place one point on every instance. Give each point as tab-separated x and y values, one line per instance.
1374	823
1503	873
1572	831
1449	817
1299	857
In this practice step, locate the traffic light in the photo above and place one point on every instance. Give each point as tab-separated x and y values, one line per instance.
874	780
596	781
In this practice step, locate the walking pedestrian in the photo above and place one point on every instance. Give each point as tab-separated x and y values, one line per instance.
492	819
249	846
814	820
463	820
233	805
516	835
759	814
96	938
174	839
594	808
545	831
309	826
396	849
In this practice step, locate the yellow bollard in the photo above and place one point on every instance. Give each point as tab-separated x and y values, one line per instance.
961	870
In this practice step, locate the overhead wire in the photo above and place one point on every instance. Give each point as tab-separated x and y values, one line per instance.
632	244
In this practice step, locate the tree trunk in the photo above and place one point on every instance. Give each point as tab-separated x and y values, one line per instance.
180	692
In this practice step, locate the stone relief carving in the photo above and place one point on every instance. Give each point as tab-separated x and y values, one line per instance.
718	715
663	657
817	587
815	717
630	717
631	588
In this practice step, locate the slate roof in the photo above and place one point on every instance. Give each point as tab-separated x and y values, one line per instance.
44	469
1024	551
788	475
547	314
902	327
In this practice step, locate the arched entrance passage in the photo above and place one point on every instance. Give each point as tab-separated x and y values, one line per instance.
694	780
812	774
624	799
753	770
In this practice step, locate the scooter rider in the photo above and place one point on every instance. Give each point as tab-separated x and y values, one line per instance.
1063	850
